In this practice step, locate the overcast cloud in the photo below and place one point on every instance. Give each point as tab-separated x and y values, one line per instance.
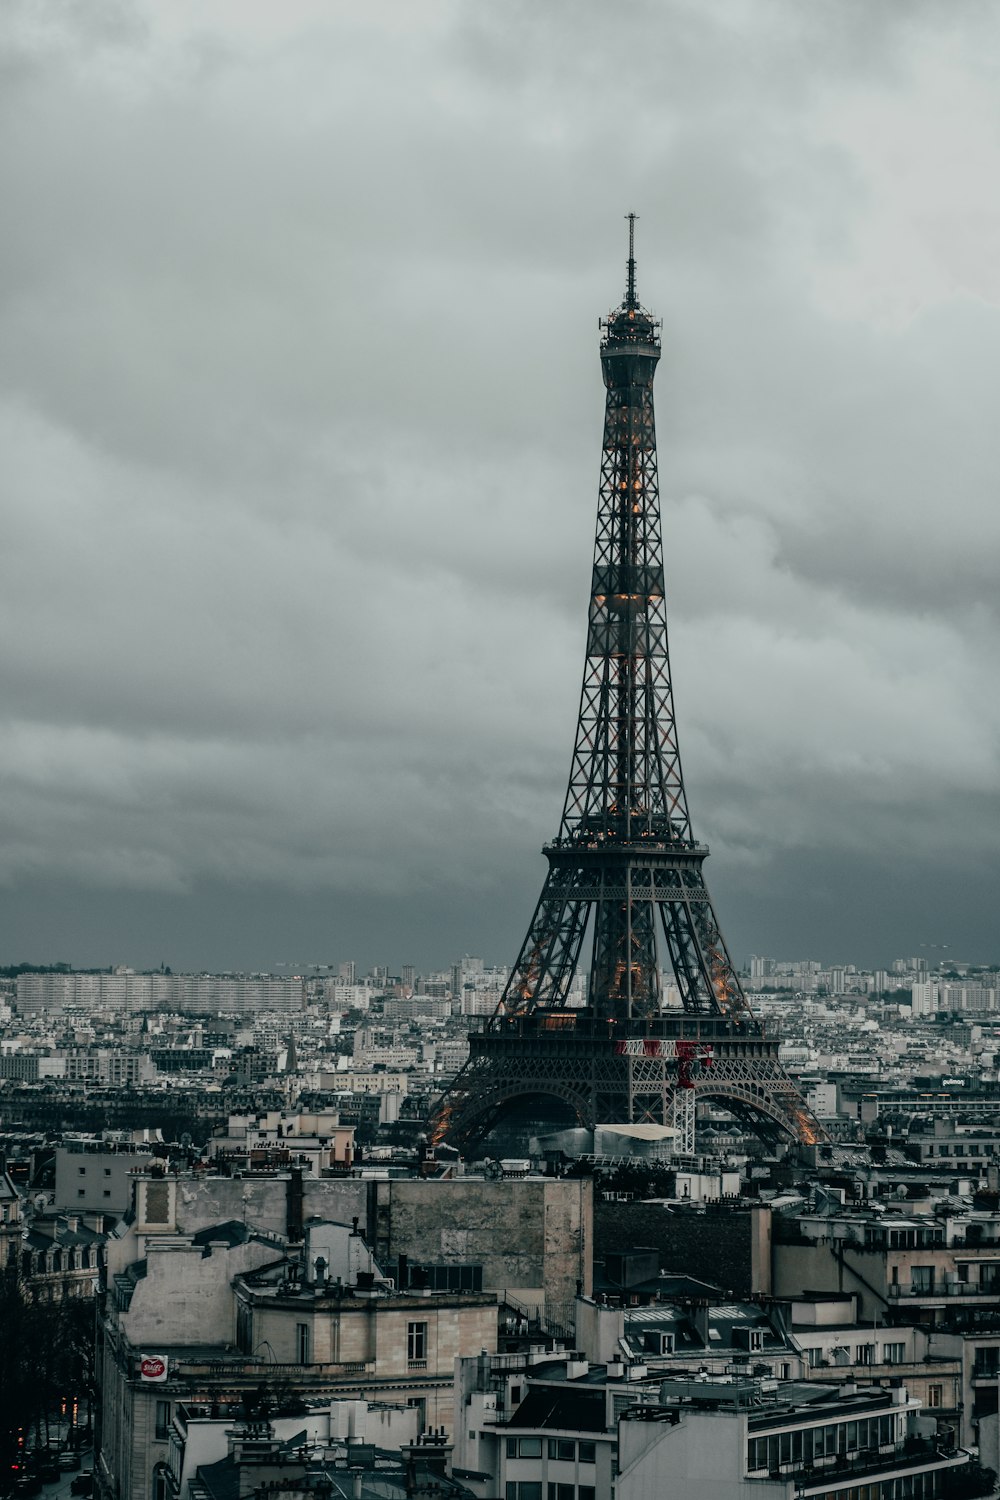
300	410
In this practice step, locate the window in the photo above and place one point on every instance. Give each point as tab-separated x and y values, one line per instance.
244	1328
512	1447
922	1278
107	1171
587	1453
107	1192
445	1278
865	1354
81	1192
82	1171
586	1492
564	1448
420	1405
302	1343
893	1354
416	1342
934	1395
529	1447
162	1419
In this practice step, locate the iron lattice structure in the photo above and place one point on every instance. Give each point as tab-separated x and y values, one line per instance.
625	864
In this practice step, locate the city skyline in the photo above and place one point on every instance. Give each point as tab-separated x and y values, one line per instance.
300	395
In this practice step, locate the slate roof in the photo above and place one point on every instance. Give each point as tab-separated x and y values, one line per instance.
231	1232
221	1480
60	1234
723	1320
569	1409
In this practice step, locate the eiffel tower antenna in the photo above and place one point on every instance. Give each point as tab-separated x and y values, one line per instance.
625	866
630	301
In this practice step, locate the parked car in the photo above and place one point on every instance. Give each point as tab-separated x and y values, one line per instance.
83	1484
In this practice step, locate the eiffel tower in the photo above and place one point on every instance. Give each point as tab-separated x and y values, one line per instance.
625	864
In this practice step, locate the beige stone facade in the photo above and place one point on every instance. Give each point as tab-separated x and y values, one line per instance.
533	1237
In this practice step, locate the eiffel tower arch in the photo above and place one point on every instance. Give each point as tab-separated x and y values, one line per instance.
625	870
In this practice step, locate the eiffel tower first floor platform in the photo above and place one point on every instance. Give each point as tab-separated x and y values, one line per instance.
653	1071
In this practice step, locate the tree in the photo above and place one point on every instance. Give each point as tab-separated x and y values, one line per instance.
46	1357
22	1399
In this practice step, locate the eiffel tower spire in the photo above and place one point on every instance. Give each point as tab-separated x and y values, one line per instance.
625	865
630	303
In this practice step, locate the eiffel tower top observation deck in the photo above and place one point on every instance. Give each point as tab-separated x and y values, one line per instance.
625	867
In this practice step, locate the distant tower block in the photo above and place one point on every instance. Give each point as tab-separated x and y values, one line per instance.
625	867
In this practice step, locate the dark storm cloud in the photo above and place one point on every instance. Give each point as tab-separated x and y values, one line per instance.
300	405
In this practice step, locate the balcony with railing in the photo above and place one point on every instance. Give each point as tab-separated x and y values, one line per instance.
915	1455
946	1290
233	1366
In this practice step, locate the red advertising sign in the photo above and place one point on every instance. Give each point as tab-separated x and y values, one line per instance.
153	1367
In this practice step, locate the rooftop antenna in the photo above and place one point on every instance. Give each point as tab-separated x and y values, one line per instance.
630	298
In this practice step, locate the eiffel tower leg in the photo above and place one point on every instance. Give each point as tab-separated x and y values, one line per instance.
686	957
549	954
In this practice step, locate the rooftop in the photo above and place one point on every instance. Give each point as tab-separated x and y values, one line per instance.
563	1409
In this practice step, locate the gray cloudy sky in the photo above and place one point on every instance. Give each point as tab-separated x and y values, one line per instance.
300	407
